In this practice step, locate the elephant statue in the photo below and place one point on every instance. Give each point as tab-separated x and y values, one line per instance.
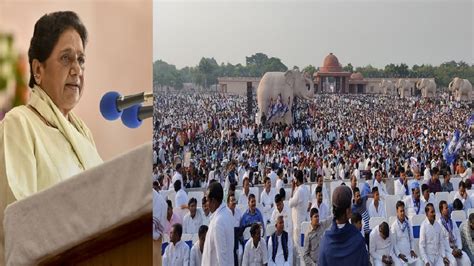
404	88
276	92
462	90
427	87
387	87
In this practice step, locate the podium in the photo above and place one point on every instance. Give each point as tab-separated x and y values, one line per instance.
102	216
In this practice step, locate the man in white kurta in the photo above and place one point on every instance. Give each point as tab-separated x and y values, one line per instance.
181	200
402	234
219	244
267	199
279	254
255	251
299	205
452	237
318	203
432	241
244	198
378	183
376	207
413	203
380	245
177	252
192	220
282	210
196	251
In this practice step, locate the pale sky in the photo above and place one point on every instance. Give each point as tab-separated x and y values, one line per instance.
303	32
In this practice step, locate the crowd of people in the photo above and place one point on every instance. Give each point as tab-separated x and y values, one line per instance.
208	143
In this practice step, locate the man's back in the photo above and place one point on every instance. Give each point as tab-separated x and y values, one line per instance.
343	246
218	247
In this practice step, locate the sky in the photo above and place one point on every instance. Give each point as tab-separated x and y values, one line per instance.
302	33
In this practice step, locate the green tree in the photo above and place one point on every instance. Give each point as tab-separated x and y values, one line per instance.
310	70
348	68
208	68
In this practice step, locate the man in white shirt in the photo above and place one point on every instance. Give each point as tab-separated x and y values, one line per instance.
318	203
177	252
193	220
280	245
378	183
273	177
181	200
462	195
206	213
432	241
255	251
299	203
218	248
244	198
196	250
380	246
237	215
401	185
279	182
426	195
266	199
376	207
177	176
402	235
284	211
413	203
452	236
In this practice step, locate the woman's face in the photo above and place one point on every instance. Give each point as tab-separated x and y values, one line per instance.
62	74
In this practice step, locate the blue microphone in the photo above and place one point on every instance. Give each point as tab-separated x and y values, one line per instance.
112	103
132	117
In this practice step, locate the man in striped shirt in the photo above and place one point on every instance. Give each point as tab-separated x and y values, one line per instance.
359	206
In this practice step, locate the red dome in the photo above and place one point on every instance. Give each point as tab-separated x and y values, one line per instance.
331	64
357	76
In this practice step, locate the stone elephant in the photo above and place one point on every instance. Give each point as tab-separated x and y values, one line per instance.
427	87
276	92
461	89
387	87
404	88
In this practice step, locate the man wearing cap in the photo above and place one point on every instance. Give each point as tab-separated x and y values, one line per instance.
413	203
342	244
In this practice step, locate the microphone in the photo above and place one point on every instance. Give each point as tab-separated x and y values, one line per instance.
132	117
112	103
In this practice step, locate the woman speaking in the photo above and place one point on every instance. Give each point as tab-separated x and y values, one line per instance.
43	142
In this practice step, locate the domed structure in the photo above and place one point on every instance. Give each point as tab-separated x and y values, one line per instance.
357	76
331	64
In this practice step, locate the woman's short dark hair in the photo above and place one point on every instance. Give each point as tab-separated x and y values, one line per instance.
46	34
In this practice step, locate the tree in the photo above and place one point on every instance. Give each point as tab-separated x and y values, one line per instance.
348	68
208	67
310	70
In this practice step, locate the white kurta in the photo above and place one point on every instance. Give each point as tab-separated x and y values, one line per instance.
286	213
323	210
410	206
403	241
377	212
159	212
464	260
280	257
191	225
432	245
380	247
237	215
181	199
299	210
195	256
219	244
255	256
267	200
176	254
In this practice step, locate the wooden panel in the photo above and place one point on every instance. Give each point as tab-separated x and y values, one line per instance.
127	244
